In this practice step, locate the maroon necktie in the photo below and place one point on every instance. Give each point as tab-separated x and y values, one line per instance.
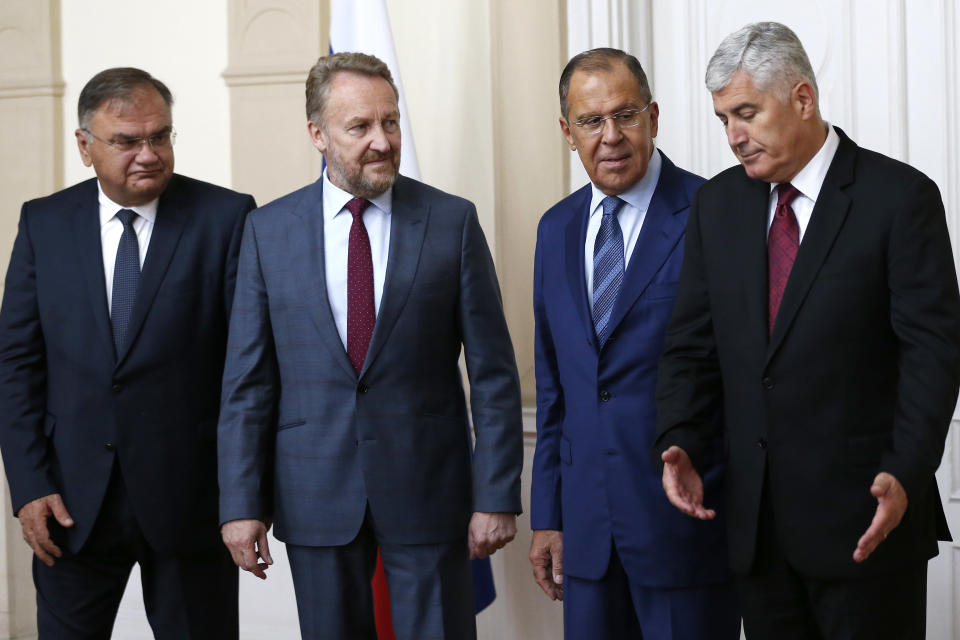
782	246
361	315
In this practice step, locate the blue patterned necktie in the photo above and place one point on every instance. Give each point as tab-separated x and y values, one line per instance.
126	278
607	267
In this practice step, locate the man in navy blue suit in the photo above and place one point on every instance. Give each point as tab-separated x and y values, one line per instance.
112	339
606	540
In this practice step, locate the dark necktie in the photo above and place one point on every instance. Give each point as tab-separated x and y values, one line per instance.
361	315
607	267
126	278
782	246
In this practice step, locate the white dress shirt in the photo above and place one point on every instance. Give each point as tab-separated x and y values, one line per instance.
631	217
808	182
111	229
337	221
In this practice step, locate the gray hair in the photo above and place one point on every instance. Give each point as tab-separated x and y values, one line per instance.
769	52
601	59
322	73
119	83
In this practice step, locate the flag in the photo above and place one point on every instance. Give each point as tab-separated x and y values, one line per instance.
364	26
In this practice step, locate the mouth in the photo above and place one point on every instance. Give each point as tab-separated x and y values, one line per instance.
615	162
749	155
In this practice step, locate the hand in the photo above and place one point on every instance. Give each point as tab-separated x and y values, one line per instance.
683	484
546	556
33	520
489	532
247	542
891	505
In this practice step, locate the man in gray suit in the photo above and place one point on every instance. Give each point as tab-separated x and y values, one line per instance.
344	420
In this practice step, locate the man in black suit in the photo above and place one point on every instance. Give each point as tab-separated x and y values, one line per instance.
112	340
818	303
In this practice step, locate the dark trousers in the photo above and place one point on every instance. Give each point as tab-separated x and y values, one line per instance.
780	603
191	595
612	608
431	589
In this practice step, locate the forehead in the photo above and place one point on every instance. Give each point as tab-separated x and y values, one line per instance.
600	89
142	107
357	93
739	91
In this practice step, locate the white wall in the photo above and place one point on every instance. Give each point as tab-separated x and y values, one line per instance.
181	42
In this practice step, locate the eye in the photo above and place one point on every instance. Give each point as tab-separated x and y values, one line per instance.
125	144
391	125
357	130
748	115
591	121
624	117
160	139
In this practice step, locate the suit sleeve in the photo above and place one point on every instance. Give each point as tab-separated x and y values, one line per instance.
247	426
545	506
494	383
23	378
233	252
925	315
689	387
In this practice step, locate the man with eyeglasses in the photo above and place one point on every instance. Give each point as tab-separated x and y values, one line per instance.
606	540
112	338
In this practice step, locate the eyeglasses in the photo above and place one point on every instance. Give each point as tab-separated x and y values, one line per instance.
161	140
626	119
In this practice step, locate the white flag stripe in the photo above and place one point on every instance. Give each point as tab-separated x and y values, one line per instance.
363	25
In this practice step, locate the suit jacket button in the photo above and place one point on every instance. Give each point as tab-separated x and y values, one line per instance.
767	383
762	443
604	395
362	388
109	447
116	388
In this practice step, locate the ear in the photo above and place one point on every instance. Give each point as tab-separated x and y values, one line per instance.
317	136
567	133
804	100
654	118
83	145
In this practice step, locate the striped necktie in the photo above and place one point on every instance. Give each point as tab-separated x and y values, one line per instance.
607	267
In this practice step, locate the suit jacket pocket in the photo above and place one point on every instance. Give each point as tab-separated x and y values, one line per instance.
660	290
566	451
291	425
867	450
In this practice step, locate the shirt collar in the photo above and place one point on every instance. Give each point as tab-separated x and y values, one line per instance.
810	179
640	194
335	199
109	208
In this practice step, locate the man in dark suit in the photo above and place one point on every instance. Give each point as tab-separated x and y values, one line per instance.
818	303
606	540
344	420
110	375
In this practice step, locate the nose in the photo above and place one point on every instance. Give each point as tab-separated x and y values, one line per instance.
610	133
379	140
145	152
736	135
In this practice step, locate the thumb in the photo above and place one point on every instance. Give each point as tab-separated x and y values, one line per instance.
879	487
557	562
55	502
263	548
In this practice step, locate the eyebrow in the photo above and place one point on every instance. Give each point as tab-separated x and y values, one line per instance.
127	136
740	107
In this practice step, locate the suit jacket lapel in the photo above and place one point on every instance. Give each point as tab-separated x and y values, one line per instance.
408	224
171	217
660	232
748	241
309	255
576	236
827	218
86	226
